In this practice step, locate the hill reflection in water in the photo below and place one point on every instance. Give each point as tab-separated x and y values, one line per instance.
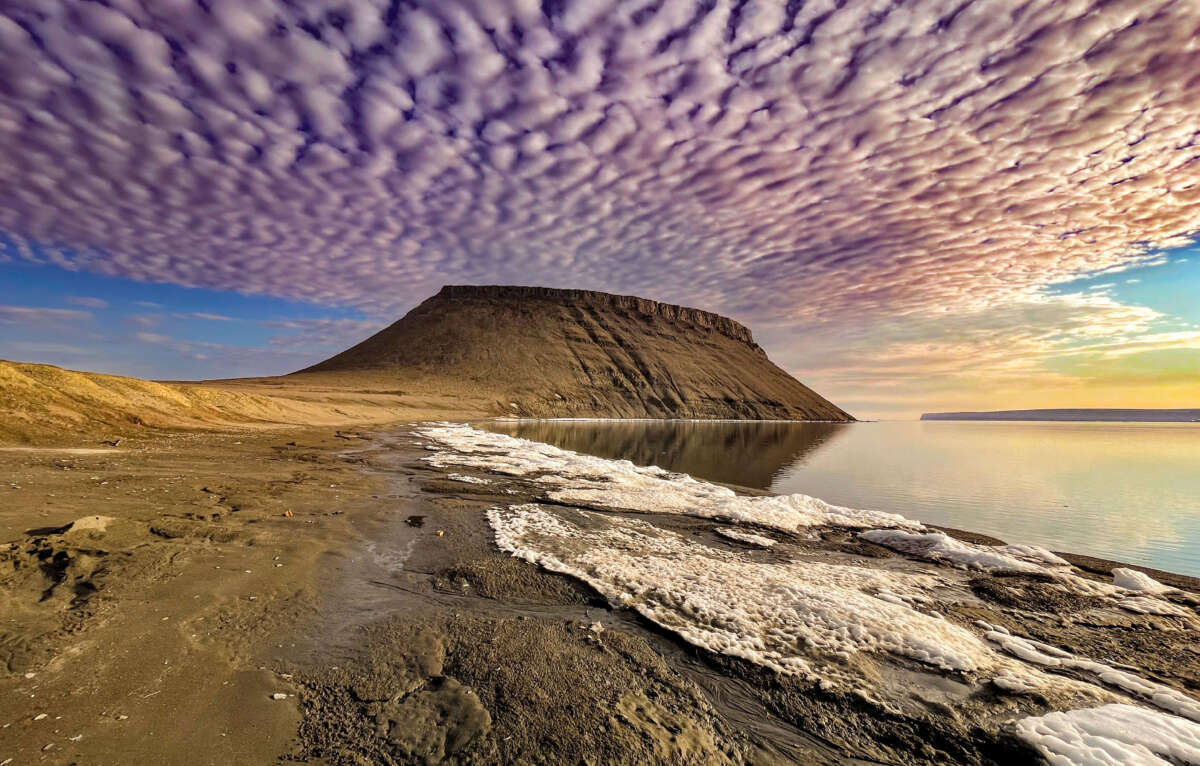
749	454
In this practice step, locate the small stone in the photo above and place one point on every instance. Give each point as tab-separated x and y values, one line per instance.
441	533
122	718
278	696
39	716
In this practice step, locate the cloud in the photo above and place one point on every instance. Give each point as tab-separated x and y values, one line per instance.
802	162
42	349
220	358
205	316
87	302
322	333
34	315
1048	350
145	321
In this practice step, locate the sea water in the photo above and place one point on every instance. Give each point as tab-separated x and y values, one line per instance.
1124	491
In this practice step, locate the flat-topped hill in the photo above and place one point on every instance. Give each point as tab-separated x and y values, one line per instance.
546	352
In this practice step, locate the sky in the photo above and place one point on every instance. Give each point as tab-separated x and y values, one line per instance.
927	205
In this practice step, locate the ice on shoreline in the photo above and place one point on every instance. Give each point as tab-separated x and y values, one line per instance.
813	618
1112	735
570	477
784	616
1131	579
1159	695
938	546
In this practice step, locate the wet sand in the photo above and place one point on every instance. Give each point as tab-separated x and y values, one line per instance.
229	568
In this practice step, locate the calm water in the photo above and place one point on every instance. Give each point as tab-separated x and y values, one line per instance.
1126	491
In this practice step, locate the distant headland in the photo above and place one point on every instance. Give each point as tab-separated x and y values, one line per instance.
1094	415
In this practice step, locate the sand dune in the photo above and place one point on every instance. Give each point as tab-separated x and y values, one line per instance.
43	404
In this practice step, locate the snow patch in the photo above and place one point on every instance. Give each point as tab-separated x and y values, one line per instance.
1034	553
938	546
1112	735
746	537
803	618
1155	606
1131	579
1159	695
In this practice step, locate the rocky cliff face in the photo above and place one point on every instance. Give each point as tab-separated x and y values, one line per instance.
546	352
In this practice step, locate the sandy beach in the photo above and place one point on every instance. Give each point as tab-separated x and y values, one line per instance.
333	597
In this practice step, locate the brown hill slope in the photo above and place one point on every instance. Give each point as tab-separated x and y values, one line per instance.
569	353
43	404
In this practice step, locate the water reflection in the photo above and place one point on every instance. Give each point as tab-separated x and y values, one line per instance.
747	454
1125	491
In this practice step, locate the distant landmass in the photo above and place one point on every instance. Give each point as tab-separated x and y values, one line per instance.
1102	415
543	352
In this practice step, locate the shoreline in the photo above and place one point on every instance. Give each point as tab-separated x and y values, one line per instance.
363	581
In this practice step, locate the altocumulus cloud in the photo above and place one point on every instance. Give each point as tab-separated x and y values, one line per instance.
791	161
38	315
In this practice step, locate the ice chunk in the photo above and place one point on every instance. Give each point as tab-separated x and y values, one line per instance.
1148	605
1034	553
1132	579
937	546
1016	684
1112	735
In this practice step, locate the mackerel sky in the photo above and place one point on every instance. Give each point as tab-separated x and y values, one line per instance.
916	205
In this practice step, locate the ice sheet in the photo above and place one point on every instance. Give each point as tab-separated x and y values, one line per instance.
801	618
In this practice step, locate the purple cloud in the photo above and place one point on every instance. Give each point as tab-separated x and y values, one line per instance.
37	315
87	302
322	333
788	161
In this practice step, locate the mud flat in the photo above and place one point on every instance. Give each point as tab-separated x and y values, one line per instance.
440	594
